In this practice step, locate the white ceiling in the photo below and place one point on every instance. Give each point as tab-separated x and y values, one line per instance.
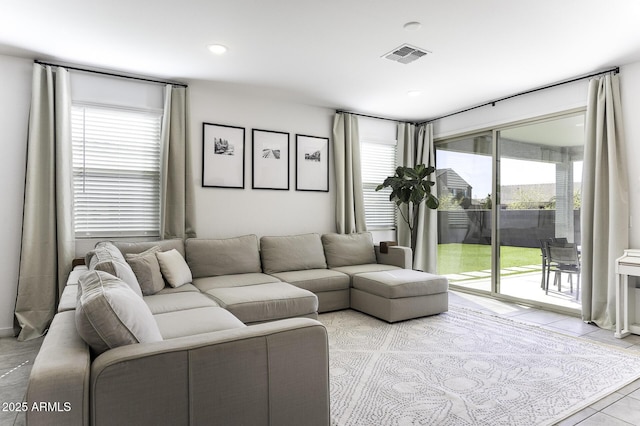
328	52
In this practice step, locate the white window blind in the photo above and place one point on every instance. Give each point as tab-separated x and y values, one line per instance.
116	172
378	163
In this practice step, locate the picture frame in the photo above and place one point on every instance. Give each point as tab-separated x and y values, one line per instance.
270	160
312	163
223	164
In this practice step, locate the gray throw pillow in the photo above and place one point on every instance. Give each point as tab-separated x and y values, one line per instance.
174	268
106	257
109	314
292	253
147	270
349	249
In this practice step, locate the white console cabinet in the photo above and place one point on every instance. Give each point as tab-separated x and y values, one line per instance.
627	298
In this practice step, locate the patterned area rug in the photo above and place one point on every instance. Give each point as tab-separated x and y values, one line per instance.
464	368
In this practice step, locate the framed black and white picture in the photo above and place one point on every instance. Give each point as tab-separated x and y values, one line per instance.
312	163
222	156
270	160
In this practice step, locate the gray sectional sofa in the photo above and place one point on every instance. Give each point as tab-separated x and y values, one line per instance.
207	331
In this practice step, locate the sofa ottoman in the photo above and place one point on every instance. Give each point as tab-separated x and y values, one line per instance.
266	302
399	294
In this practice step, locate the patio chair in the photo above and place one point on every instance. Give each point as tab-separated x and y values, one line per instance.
563	258
544	250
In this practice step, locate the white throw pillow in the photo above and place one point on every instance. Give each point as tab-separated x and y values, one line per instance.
174	268
110	314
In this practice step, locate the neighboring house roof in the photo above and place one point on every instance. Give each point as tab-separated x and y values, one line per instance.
449	178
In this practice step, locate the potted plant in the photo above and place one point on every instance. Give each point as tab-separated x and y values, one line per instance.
411	186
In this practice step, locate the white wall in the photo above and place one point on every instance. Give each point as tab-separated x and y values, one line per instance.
630	94
15	86
226	212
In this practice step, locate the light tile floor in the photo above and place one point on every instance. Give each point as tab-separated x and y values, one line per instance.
16	360
620	408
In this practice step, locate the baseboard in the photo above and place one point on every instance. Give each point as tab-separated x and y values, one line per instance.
7	332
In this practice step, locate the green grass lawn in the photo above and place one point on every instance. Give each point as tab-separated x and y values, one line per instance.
457	258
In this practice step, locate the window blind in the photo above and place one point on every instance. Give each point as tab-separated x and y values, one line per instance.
378	163
116	172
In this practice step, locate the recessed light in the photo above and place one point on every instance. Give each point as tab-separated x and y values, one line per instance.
414	93
218	49
412	26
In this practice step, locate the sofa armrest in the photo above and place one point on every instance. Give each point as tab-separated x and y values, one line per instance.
59	379
273	373
397	256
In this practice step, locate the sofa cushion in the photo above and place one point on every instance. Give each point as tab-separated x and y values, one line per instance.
209	257
195	321
348	249
182	289
161	303
238	280
106	257
400	283
292	253
109	314
77	272
69	298
173	267
370	267
127	247
316	280
147	270
266	302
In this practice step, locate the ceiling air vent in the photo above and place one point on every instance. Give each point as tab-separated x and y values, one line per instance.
406	54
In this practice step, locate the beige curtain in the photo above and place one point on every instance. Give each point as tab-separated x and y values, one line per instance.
177	199
346	154
605	201
405	157
415	146
48	242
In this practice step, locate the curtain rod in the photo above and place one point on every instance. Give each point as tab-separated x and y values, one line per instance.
111	74
614	70
373	116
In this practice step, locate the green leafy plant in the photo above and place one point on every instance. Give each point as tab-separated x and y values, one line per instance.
411	186
448	202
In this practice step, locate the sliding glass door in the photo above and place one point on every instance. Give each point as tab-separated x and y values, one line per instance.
504	195
539	177
464	182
